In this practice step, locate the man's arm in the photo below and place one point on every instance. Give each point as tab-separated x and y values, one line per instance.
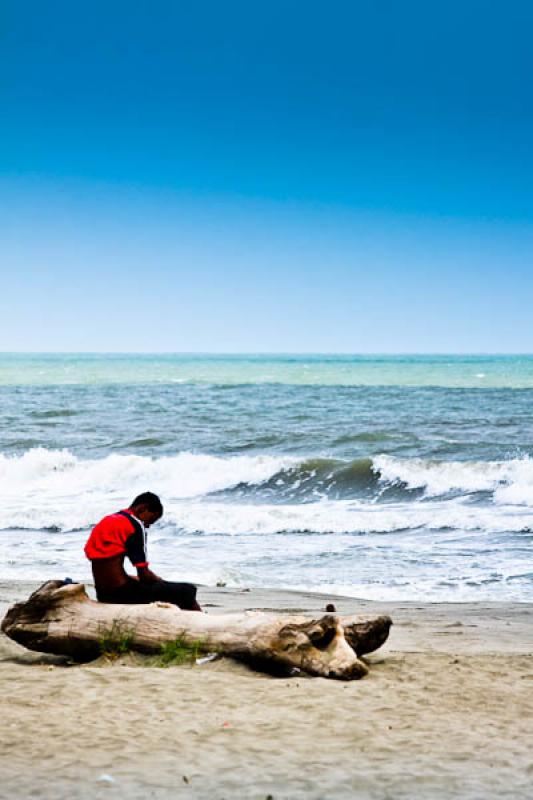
146	575
137	555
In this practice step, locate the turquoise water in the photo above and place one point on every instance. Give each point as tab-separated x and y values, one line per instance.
387	477
445	371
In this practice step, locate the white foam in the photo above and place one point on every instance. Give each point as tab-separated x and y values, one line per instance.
45	488
328	516
511	481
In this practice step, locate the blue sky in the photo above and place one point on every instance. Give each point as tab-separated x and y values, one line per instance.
281	176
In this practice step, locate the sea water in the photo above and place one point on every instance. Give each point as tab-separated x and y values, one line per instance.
397	478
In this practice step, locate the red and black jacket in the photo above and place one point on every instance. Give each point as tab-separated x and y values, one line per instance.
118	534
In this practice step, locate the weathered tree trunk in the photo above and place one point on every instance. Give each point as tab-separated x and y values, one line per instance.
60	618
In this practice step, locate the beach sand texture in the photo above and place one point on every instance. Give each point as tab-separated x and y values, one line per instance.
446	711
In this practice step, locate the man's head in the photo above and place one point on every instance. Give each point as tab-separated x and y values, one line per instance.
147	507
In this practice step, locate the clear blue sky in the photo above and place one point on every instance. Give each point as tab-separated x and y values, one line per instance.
266	176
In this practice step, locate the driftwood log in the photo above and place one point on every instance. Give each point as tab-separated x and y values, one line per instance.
60	618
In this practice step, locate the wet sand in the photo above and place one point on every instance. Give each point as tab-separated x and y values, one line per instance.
445	712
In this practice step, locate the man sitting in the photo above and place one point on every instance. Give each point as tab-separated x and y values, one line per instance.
124	534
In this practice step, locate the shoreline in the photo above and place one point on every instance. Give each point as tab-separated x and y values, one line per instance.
444	712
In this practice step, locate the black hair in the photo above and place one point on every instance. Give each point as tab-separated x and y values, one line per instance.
150	500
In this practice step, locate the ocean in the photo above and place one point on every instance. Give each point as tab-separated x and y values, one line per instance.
389	478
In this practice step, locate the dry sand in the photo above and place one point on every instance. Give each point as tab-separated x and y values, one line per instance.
446	712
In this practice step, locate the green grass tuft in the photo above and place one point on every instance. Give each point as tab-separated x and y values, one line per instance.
179	652
116	640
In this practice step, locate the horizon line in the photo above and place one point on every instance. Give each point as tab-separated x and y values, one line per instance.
248	353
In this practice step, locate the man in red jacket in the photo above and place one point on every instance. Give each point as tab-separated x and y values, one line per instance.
124	534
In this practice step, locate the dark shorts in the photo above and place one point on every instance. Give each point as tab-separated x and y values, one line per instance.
182	595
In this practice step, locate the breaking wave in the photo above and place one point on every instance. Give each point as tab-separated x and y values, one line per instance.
54	489
509	482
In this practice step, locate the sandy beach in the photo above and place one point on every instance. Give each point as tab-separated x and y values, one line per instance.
446	711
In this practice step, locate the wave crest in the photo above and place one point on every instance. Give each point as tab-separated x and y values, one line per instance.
56	489
510	482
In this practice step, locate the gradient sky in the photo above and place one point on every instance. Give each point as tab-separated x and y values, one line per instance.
266	176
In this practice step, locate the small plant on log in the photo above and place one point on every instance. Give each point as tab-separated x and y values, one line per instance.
116	640
178	652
